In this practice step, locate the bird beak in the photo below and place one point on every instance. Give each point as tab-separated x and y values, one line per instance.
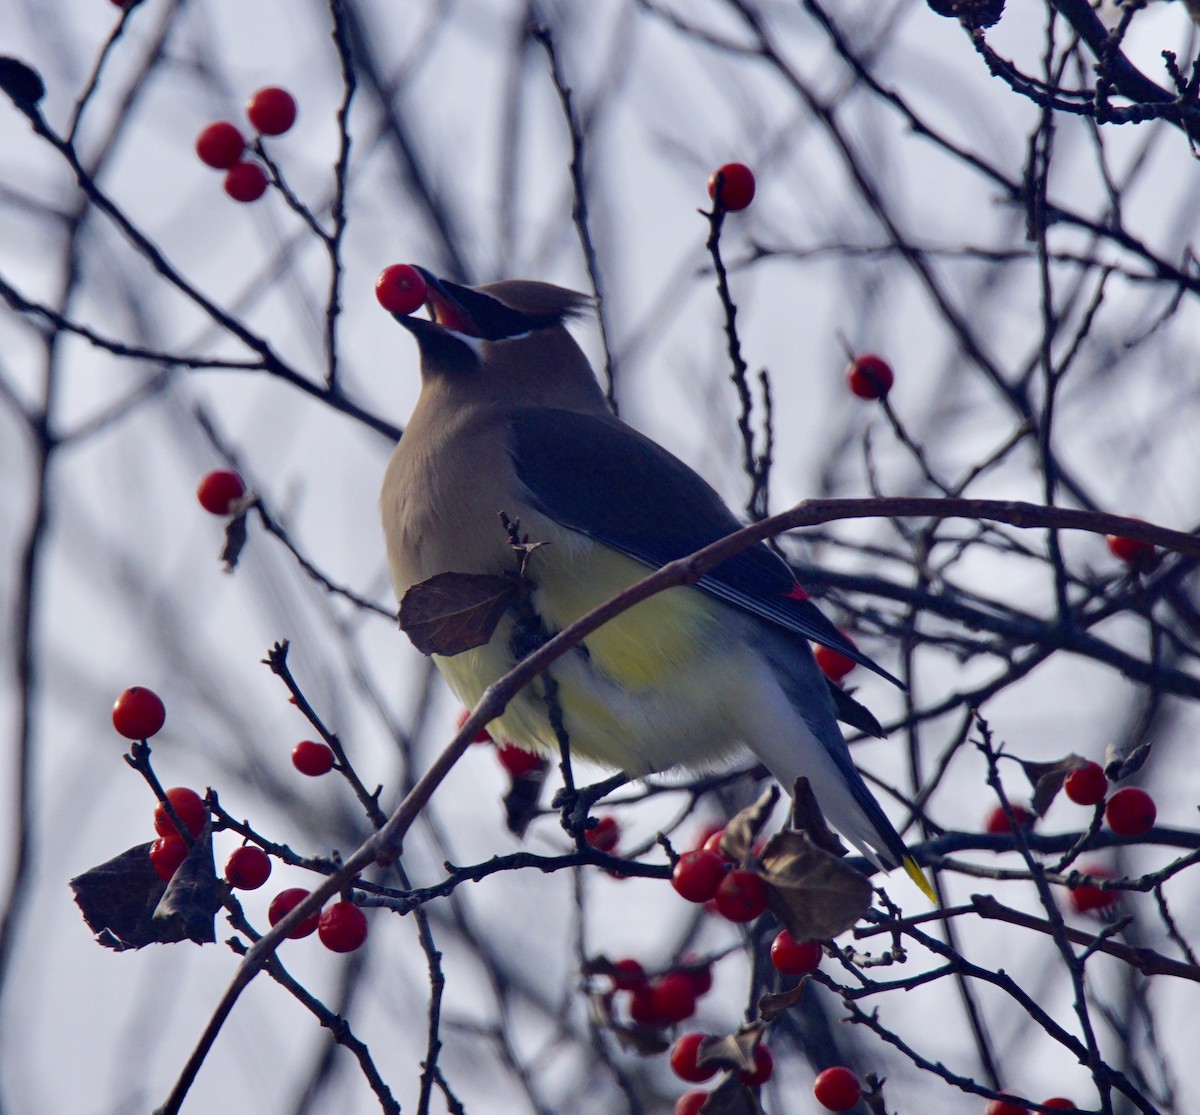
445	308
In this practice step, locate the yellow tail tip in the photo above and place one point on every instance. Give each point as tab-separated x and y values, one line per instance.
918	876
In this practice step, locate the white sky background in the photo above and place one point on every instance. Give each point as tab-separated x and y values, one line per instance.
131	591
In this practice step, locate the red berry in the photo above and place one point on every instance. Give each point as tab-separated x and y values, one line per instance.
519	762
627	975
1060	1103
742	895
837	1089
482	736
706	834
697	875
998	823
713	844
1006	1107
690	1102
284	903
604	836
1130	812
1086	785
642	1008
700	974
672	997
1135	554
834	664
683	1060
247	867
220	145
735	181
342	927
138	713
166	854
219	490
272	110
1087	898
400	289
870	377
764	1065
312	758
795	958
190	807
245	182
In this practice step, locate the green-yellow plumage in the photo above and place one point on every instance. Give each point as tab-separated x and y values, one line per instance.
511	419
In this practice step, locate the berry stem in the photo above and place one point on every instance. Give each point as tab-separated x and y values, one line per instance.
277	660
138	757
757	466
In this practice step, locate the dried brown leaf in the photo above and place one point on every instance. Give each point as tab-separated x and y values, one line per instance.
235	541
743	827
1120	763
733	1051
813	893
807	818
773	1004
732	1097
453	612
1047	779
128	906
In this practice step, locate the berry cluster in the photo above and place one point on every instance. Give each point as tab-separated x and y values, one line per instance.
139	713
685	1063
171	847
663	1000
706	875
221	145
340	927
1129	812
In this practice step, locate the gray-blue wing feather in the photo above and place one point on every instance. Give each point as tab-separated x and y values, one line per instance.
602	478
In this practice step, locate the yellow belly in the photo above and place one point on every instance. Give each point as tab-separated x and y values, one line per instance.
646	691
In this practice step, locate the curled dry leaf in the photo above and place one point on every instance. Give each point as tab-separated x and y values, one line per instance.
807	818
649	1041
453	612
1120	763
743	827
1047	779
732	1097
235	541
187	909
813	893
128	906
810	889
733	1051
773	1004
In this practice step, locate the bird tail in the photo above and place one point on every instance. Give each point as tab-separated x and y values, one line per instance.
798	735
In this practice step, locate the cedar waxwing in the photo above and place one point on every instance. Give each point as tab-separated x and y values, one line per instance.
511	418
